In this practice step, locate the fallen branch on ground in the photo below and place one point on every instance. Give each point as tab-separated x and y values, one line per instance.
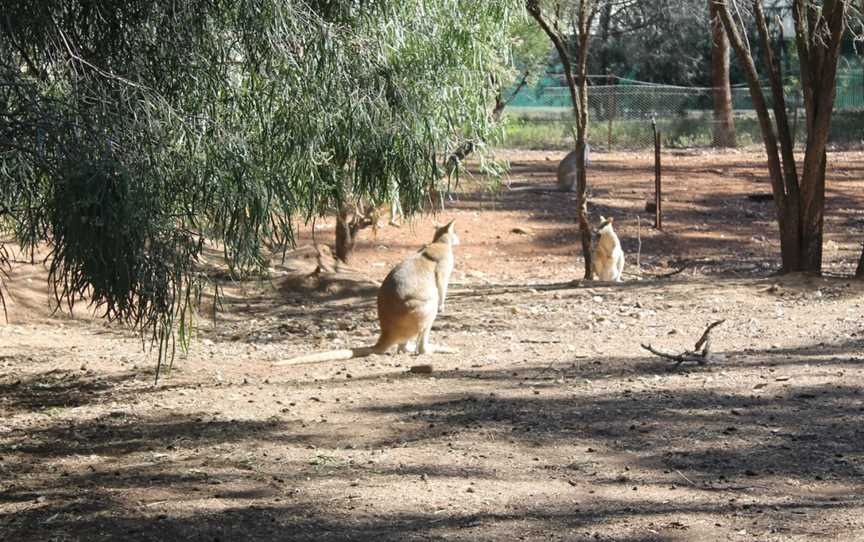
684	266
701	351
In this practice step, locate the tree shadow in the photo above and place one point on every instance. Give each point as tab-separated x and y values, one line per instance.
226	479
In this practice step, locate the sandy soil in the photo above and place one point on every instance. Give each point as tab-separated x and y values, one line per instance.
551	424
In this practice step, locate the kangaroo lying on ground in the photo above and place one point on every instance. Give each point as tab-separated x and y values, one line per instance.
409	299
607	258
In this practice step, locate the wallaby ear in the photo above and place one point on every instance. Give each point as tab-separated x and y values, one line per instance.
450	225
602	219
610	219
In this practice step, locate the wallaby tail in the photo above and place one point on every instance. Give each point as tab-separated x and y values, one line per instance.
332	355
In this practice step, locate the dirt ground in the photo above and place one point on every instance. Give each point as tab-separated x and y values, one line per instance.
551	424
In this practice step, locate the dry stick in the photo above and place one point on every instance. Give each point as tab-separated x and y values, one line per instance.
705	339
678	358
671	273
696	355
681	474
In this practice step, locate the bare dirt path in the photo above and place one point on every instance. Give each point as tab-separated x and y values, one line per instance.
552	423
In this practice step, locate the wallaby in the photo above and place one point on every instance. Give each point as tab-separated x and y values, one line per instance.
409	299
567	170
607	258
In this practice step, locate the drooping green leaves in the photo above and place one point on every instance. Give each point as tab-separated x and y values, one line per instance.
132	131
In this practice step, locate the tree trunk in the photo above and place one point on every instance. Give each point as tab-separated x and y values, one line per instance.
800	201
724	125
582	208
859	273
585	16
579	99
786	207
819	52
345	234
605	22
812	215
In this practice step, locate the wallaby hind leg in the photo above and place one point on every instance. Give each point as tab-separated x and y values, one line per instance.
406	347
423	340
423	346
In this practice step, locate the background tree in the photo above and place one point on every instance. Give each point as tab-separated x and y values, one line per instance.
530	53
661	41
724	124
799	198
131	133
557	19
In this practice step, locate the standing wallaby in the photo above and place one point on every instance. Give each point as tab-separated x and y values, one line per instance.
409	299
607	258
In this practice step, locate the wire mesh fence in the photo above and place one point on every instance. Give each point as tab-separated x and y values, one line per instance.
620	115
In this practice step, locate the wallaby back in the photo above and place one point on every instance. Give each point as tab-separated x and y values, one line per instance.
412	294
567	171
409	300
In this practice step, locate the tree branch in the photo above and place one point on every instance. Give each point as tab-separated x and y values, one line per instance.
784	134
533	8
700	354
760	105
7	26
802	41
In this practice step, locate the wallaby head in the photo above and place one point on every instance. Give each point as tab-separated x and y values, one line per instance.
605	225
446	234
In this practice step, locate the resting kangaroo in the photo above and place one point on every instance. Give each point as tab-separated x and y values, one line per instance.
567	170
408	302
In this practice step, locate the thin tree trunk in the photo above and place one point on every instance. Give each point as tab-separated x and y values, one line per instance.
820	51
582	208
345	234
350	219
724	125
579	100
859	272
586	14
813	185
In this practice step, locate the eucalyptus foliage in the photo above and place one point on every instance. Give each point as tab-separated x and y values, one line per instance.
132	131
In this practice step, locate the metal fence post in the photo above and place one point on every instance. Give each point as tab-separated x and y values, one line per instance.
658	212
610	109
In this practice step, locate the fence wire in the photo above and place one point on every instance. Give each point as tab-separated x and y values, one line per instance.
620	115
